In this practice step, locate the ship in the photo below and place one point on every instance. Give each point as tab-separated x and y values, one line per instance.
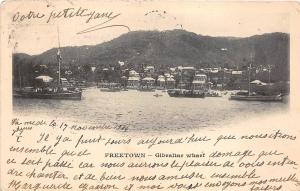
40	93
272	98
50	90
253	96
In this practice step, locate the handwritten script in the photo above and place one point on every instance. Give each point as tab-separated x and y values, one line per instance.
106	18
58	155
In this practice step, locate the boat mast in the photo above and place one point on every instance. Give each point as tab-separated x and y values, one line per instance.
249	74
58	56
20	77
181	80
269	68
19	67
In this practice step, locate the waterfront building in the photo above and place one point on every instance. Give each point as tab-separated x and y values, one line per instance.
133	82
148	82
170	83
199	82
161	82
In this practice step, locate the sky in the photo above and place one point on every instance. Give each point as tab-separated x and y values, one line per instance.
236	19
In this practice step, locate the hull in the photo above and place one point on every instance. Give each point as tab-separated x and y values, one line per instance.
187	94
59	95
213	94
147	90
209	95
276	98
109	87
110	90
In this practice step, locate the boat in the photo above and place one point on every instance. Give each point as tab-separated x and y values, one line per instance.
40	93
50	90
157	95
211	93
252	96
256	97
186	93
124	89
110	87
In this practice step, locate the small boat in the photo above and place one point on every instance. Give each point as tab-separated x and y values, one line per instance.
124	89
186	93
157	95
212	93
110	87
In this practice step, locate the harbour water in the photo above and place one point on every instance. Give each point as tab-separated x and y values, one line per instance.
144	113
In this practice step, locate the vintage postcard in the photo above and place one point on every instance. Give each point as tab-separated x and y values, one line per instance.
149	95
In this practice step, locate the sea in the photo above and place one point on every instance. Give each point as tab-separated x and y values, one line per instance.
142	112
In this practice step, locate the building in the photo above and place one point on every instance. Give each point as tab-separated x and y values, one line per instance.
161	82
149	70
199	82
170	83
148	82
133	81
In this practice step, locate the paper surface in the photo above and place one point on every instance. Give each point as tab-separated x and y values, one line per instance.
143	138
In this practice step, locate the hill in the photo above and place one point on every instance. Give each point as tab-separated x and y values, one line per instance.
172	48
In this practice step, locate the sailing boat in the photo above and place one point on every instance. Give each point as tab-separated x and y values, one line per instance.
252	96
52	91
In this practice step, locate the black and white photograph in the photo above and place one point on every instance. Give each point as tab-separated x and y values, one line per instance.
163	71
149	95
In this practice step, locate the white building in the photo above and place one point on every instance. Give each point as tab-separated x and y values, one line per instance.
148	81
149	69
133	82
161	82
199	82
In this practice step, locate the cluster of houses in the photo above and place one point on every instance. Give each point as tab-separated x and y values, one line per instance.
179	77
148	80
188	77
185	77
